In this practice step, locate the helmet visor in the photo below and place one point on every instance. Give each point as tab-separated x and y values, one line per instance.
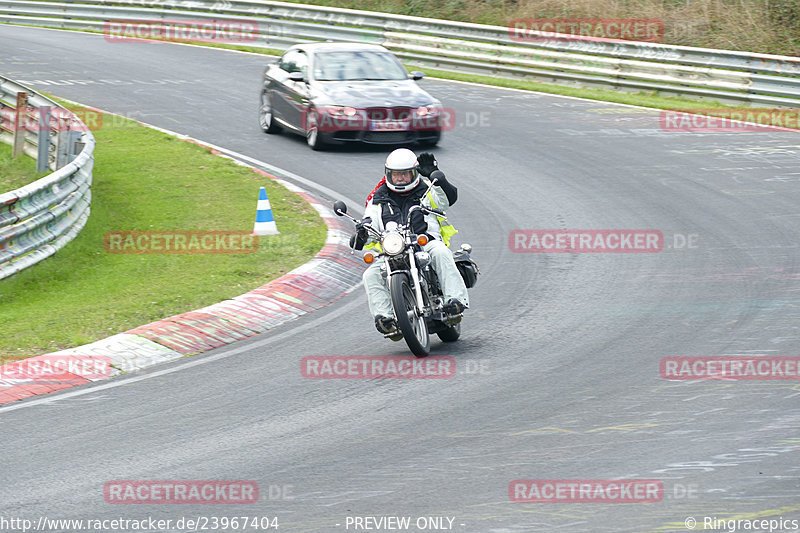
401	177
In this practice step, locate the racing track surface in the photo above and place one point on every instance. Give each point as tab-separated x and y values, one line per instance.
569	344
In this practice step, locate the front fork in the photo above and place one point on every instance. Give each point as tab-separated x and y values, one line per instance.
412	261
414	277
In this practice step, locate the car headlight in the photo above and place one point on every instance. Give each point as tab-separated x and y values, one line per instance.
392	243
429	110
341	111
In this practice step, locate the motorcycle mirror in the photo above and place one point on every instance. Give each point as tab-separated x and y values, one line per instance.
339	208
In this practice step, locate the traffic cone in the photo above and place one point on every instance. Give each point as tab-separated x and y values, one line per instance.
265	222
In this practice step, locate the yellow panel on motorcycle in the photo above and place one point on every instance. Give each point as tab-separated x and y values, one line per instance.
422	240
369	257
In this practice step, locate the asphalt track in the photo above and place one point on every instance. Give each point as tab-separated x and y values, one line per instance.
558	367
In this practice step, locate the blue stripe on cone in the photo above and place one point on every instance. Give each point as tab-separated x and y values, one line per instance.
264	215
265	221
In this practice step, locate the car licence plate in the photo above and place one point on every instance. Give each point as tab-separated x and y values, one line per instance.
388	125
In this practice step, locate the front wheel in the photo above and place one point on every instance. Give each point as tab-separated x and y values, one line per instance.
265	116
412	326
313	136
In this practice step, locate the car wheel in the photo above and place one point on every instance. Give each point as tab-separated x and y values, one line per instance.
313	136
265	117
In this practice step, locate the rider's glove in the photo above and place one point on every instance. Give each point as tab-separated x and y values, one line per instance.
427	164
361	236
361	227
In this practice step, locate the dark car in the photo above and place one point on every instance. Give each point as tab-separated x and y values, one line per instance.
348	92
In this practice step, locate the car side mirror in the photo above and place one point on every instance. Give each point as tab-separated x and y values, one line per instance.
296	76
416	75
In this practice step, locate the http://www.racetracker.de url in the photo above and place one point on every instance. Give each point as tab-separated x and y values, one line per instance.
184	523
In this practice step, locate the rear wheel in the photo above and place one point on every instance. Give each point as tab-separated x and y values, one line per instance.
412	326
265	117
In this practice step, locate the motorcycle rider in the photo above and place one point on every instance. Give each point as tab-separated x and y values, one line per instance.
391	201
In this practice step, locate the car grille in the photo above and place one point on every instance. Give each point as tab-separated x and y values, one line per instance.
387	137
346	135
389	113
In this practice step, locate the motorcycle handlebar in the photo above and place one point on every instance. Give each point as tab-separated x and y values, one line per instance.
428	209
370	229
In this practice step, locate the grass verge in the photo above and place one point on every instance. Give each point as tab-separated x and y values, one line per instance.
16	172
150	181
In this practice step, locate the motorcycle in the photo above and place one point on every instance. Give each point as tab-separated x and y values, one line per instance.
416	295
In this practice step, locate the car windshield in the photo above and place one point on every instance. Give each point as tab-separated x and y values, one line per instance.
353	65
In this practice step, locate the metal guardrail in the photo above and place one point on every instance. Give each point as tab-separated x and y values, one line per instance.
727	76
40	218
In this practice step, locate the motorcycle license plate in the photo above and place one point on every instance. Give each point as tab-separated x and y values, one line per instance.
388	125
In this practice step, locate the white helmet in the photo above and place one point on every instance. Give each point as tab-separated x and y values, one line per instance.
399	160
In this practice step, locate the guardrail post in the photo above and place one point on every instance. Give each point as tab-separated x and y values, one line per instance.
43	153
74	145
20	122
63	144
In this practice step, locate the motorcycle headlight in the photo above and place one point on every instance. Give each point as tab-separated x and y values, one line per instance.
392	243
